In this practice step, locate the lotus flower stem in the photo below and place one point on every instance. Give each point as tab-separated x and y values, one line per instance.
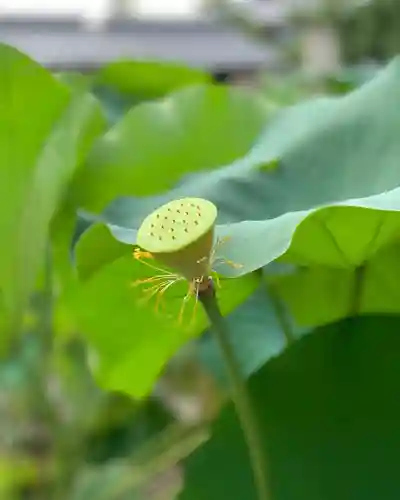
180	235
241	396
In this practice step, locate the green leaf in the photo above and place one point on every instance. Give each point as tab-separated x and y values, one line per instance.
328	409
106	482
256	313
319	295
155	144
122	84
131	341
89	259
44	134
286	89
256	334
308	208
114	104
334	174
125	427
349	78
62	230
75	80
147	80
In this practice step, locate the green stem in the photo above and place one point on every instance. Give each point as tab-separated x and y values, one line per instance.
281	316
47	304
44	337
356	297
240	394
43	413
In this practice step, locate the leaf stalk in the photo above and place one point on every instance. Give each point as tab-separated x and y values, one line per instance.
241	396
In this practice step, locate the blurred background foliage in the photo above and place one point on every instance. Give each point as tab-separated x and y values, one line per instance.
62	436
371	33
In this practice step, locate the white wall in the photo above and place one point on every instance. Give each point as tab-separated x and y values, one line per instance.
167	8
100	8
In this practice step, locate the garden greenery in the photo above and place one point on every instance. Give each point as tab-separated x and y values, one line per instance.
308	198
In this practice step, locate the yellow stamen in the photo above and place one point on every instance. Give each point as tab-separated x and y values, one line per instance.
185	300
158	290
141	254
159	277
161	282
195	292
161	294
231	263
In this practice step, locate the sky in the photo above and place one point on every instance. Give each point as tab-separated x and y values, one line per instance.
97	8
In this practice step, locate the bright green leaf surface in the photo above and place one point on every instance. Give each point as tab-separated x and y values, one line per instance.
255	327
131	340
329	412
338	236
96	249
316	207
339	151
319	295
44	133
77	81
149	79
156	143
256	334
122	84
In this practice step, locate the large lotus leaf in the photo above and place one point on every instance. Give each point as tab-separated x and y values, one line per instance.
287	89
323	236
258	331
75	80
319	295
196	128
45	131
115	105
123	84
327	151
149	79
130	339
349	78
331	198
328	408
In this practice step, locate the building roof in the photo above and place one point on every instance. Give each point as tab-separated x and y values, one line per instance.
69	44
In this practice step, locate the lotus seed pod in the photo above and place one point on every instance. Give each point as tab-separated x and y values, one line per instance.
180	234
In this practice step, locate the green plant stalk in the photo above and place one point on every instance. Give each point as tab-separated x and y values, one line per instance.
356	297
44	335
65	447
241	396
281	316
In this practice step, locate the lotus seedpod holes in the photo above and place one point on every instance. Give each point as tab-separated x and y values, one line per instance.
183	222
